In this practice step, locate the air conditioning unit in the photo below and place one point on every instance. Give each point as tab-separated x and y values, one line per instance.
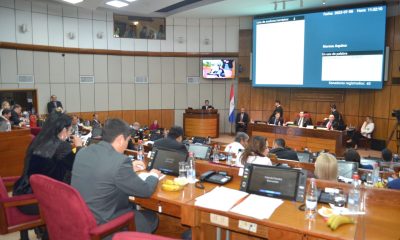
141	79
25	79
86	79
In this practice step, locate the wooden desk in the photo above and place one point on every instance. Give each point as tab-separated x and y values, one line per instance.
13	146
201	123
299	138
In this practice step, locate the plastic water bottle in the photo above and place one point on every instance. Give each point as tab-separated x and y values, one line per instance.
353	202
140	154
229	156
215	154
375	174
311	199
191	174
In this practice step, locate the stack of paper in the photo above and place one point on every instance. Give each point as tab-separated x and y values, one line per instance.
220	198
257	206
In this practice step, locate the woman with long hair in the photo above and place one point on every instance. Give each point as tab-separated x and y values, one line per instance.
49	154
256	152
326	167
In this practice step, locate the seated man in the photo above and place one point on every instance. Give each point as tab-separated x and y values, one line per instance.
242	120
95	123
302	121
105	178
241	141
172	141
280	150
387	155
5	124
331	123
276	120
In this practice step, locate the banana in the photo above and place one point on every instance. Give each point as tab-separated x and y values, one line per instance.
330	220
340	220
170	187
169	182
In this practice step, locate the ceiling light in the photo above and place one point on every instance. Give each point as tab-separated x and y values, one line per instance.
130	0
323	2
117	4
135	23
73	1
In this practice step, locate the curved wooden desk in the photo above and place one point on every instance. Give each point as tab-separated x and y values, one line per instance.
201	123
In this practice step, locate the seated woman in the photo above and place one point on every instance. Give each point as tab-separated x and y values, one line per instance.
326	167
154	126
49	154
351	155
365	132
256	152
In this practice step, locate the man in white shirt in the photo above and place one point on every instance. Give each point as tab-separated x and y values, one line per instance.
241	141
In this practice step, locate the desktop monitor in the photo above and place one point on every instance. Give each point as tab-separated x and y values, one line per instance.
277	182
200	151
370	161
304	157
166	160
346	169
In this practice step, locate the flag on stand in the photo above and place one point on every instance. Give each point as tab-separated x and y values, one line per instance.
232	105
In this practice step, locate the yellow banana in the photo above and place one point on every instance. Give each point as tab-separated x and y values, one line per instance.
330	220
340	220
169	182
170	187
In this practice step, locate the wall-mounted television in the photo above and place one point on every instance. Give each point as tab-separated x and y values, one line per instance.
218	68
331	48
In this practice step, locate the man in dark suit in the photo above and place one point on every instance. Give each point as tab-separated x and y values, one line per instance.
280	150
276	120
105	178
334	112
172	141
278	108
207	105
331	123
242	119
15	118
302	121
95	122
53	104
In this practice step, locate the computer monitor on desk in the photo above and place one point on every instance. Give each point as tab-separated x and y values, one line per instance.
277	182
346	169
200	151
166	160
304	157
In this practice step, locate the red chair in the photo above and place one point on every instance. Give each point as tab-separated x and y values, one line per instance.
66	214
137	235
11	219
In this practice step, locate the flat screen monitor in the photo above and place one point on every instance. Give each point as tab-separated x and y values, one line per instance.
370	161
346	169
200	151
218	68
167	161
304	157
277	182
331	48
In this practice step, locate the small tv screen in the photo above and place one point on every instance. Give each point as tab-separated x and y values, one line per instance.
273	182
167	161
219	68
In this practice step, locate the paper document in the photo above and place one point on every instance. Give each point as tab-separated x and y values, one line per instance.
220	198
145	175
257	206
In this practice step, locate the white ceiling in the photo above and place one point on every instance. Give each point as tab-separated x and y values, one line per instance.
216	8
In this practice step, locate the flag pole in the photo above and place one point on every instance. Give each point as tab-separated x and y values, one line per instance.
232	106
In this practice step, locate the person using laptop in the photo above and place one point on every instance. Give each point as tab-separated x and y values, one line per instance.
281	151
172	141
351	155
105	178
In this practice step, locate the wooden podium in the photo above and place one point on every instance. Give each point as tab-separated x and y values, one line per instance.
201	123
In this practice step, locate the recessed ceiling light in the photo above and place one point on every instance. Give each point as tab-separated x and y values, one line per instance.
117	4
73	1
130	0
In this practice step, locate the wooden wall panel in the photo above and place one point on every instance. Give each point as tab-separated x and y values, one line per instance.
115	114
283	95
155	115
244	95
244	63
367	103
381	126
391	125
351	121
295	106
390	32
309	106
142	116
396	43
245	42
129	116
394	99
269	99
256	100
167	118
352	102
256	115
324	108
395	64
381	106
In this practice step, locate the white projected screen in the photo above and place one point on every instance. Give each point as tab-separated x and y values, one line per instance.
281	45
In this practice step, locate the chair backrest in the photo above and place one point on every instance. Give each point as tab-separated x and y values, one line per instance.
66	214
138	235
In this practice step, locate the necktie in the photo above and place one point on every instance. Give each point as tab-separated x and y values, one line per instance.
301	122
275	121
329	126
55	104
241	117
